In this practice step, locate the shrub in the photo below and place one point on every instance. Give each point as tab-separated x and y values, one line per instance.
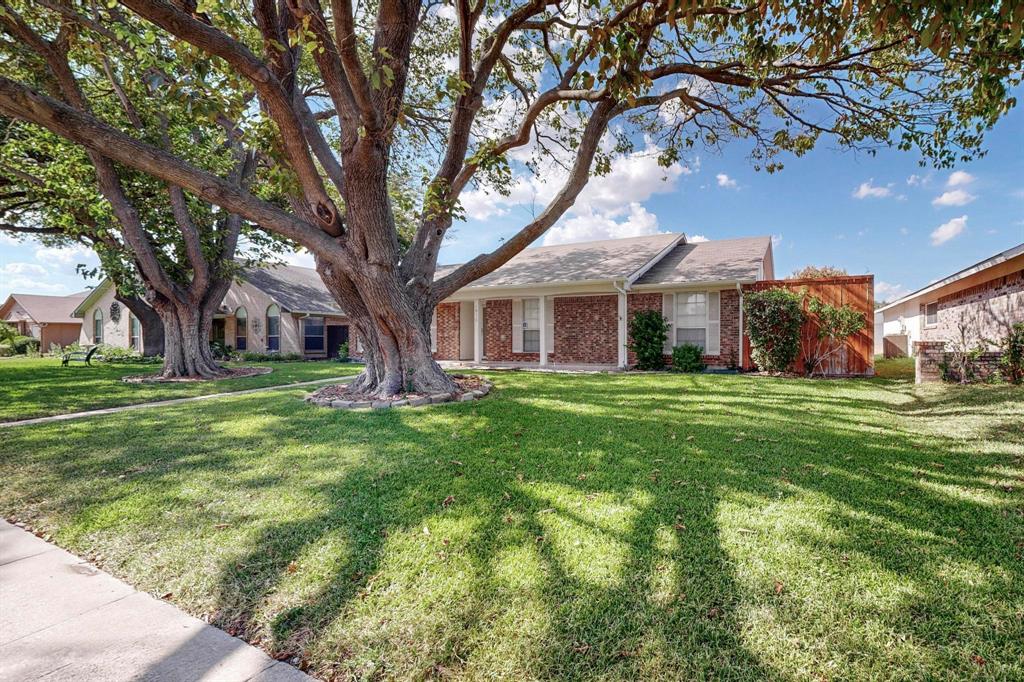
220	351
5	350
343	352
836	324
1011	364
7	332
648	332
773	319
115	354
687	358
255	356
24	345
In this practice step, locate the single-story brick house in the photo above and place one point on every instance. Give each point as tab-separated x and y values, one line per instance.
570	304
46	318
987	296
284	308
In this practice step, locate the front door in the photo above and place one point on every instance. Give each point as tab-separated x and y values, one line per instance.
337	334
217	332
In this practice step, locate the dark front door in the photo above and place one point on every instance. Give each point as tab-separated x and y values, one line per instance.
337	334
217	333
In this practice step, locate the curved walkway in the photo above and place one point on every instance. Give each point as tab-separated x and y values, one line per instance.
161	403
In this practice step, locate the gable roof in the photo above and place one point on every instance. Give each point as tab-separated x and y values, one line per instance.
989	262
294	288
721	260
48	309
597	261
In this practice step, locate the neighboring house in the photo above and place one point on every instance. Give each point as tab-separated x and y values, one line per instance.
283	309
987	297
570	304
47	318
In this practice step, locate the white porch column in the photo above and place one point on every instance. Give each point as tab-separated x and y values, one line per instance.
542	324
623	358
478	331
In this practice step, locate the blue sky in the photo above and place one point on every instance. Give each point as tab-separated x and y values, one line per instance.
881	214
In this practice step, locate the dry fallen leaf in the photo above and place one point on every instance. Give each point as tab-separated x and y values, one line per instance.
292	567
447	502
778	587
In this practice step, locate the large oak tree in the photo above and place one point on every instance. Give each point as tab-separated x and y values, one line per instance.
474	92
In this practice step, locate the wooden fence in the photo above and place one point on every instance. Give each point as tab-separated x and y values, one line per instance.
857	357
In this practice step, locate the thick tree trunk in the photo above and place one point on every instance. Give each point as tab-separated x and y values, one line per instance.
149	321
187	341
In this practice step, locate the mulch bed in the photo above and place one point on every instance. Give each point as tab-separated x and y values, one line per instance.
469	387
230	373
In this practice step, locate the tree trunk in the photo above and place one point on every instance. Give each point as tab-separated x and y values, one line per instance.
149	321
187	341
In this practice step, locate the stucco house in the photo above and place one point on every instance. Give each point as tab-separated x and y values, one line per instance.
570	304
46	318
987	296
283	309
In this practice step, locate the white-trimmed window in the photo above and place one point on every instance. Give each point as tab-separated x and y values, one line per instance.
134	333
314	339
931	314
273	327
531	325
241	329
696	320
97	326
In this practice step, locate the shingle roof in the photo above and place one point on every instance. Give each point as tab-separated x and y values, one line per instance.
722	260
51	309
295	288
581	262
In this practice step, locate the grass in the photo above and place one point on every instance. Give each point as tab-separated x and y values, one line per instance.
894	368
569	527
37	387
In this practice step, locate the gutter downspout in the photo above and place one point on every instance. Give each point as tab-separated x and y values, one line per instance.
624	293
739	291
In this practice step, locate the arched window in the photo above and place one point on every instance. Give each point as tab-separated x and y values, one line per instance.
241	329
273	327
134	333
97	326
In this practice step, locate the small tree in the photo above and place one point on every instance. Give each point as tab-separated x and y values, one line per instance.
648	332
818	272
773	319
836	324
964	349
1011	364
7	332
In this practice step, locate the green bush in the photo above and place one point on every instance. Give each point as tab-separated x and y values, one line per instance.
687	358
255	356
5	350
773	319
220	351
343	352
1011	364
24	345
648	332
7	332
115	354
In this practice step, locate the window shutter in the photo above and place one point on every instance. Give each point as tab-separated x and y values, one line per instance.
714	342
433	332
668	309
517	325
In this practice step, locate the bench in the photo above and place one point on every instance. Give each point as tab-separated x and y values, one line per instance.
79	356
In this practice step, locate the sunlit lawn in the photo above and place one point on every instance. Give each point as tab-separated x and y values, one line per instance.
36	387
613	527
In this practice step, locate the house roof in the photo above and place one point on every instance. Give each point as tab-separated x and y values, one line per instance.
294	288
722	260
48	309
989	262
606	260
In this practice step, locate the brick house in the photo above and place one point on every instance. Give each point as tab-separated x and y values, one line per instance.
570	304
46	318
987	297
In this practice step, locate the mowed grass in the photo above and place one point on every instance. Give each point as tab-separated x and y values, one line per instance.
568	527
38	387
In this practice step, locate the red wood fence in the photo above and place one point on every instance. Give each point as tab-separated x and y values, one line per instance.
857	357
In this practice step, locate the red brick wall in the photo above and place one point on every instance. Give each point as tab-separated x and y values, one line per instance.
586	329
729	320
447	331
498	334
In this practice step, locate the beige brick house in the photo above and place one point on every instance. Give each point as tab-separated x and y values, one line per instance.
987	296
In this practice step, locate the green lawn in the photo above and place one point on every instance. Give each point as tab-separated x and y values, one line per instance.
569	527
36	387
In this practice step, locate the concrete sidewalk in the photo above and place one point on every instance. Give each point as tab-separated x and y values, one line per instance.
63	619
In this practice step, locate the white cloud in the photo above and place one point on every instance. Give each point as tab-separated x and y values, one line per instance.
697	239
946	231
592	226
866	190
959	178
725	181
66	255
302	258
23	269
914	180
904	231
884	291
776	239
954	197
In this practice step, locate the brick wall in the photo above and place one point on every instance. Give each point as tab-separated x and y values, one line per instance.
498	334
927	356
729	320
586	329
988	309
447	331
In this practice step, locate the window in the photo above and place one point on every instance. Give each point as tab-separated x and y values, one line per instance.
273	327
241	329
931	314
313	334
692	319
531	325
134	333
97	326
